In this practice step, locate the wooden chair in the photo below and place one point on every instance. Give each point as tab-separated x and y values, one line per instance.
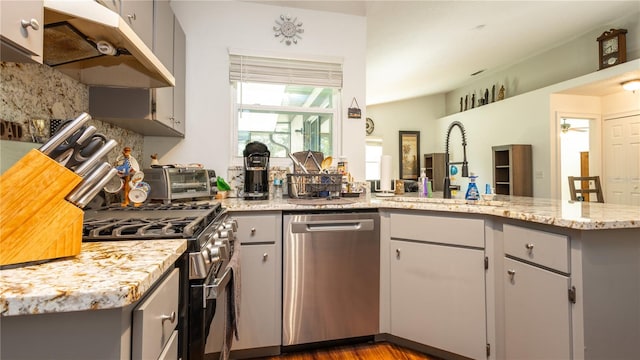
584	190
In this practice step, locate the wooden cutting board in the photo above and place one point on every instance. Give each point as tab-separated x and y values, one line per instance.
36	222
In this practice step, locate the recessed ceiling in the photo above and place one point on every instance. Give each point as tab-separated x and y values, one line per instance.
418	48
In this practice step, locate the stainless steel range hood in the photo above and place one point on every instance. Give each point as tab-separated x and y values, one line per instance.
94	45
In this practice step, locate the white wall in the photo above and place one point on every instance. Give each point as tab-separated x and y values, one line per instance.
532	118
570	59
211	28
417	114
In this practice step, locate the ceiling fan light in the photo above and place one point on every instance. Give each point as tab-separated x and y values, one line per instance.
631	85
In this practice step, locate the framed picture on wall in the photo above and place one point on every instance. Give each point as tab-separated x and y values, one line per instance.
409	155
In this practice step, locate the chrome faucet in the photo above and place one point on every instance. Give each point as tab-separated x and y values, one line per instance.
465	165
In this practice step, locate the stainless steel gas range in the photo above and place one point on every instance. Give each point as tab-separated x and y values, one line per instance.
204	273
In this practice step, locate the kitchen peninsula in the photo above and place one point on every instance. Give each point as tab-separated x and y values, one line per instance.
590	249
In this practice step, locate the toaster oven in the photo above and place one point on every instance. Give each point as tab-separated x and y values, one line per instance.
168	184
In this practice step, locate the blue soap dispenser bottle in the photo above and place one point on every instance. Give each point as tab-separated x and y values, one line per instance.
472	190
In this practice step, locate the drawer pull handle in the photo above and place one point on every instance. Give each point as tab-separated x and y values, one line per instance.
33	23
171	317
398	253
512	274
529	247
253	231
265	256
131	17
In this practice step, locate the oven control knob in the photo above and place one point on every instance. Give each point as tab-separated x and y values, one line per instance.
225	233
223	248
206	255
231	224
215	253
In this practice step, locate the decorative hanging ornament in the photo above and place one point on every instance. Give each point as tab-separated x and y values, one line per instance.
288	29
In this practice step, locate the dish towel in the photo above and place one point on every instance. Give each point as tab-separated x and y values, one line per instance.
233	304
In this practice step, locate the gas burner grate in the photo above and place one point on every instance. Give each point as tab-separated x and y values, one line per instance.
139	228
161	206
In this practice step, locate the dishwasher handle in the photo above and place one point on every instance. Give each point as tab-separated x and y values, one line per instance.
310	226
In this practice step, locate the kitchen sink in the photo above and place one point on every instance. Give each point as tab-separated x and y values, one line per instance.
413	198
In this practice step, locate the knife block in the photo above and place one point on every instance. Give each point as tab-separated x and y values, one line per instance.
36	222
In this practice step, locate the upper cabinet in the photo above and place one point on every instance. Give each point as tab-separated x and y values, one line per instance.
153	112
21	31
139	16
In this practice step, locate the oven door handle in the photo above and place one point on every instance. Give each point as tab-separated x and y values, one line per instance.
216	289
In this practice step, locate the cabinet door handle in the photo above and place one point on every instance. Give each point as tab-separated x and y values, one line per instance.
253	231
131	17
397	253
529	247
265	256
171	317
512	274
33	23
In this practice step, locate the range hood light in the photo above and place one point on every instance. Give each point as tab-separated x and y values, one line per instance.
106	48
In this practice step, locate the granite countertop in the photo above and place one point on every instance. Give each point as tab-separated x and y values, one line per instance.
568	214
104	275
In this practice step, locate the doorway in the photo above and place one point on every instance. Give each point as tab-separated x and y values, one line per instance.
574	149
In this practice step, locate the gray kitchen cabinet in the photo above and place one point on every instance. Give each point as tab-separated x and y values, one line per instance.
21	31
537	313
437	282
138	14
170	101
153	112
537	307
111	4
155	321
136	331
260	238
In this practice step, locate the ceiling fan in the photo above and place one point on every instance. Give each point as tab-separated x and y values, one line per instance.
566	127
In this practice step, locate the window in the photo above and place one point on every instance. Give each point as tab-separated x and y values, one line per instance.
289	105
286	118
373	154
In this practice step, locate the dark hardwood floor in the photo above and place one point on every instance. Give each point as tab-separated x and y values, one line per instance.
367	351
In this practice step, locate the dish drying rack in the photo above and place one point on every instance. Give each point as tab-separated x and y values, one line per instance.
316	185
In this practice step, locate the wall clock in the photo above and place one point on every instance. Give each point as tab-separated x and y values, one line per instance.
370	126
288	29
612	48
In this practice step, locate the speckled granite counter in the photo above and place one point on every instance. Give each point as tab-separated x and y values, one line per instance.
568	214
104	275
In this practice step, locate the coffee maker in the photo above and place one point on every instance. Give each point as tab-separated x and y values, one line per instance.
256	171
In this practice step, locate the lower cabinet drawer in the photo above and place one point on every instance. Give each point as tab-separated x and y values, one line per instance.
155	319
539	247
438	229
257	227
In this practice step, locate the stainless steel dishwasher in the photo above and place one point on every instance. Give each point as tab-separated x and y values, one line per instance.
331	276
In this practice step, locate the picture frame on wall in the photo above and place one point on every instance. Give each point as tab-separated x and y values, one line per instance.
409	155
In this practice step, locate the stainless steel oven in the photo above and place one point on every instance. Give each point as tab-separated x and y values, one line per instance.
210	235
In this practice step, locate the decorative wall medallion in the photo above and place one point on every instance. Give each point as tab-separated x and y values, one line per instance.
288	29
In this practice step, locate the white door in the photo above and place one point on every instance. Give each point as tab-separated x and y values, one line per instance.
621	156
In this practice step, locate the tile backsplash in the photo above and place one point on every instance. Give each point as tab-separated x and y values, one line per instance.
33	96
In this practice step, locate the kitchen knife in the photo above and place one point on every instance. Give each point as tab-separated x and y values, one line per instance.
88	182
62	135
91	162
93	191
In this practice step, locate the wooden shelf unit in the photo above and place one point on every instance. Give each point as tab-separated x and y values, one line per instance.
435	168
513	170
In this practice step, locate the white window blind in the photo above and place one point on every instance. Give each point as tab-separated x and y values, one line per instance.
246	68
